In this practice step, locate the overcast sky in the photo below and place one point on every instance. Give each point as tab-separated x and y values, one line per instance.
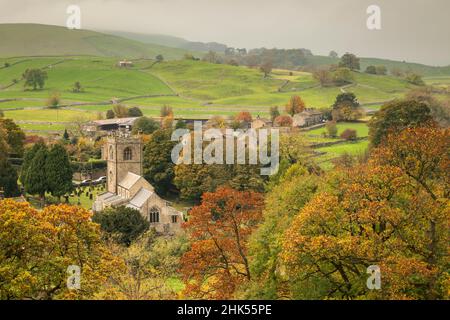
412	30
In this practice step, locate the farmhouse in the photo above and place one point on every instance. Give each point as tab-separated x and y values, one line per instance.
110	124
307	118
125	64
127	187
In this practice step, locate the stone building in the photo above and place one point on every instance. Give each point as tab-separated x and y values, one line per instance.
127	187
307	118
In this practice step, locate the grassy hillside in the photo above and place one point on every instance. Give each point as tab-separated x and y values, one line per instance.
421	69
192	88
44	40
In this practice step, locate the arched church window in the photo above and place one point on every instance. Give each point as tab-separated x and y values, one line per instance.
111	152
127	154
154	215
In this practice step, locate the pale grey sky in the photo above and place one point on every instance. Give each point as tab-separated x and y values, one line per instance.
412	30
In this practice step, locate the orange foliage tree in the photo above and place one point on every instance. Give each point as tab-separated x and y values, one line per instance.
392	212
218	228
295	105
244	116
39	246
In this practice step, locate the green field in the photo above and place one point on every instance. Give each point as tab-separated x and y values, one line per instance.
191	88
361	129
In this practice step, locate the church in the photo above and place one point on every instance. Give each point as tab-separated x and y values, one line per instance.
127	187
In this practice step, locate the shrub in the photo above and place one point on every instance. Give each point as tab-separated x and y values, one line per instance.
331	128
122	224
349	134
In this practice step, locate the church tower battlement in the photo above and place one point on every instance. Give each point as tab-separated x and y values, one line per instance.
123	153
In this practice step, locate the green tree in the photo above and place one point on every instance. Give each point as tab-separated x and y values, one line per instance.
274	113
66	136
35	78
120	111
414	78
266	68
181	124
110	114
77	87
158	165
59	171
350	61
166	111
342	76
8	179
145	125
54	100
35	176
122	224
396	116
346	107
28	159
135	112
381	70
371	70
159	58
331	128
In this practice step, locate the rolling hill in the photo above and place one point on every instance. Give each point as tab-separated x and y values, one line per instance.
47	40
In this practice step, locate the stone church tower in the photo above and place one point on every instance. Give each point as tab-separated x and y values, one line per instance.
123	153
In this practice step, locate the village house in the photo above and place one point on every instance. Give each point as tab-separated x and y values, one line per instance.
259	123
127	187
307	118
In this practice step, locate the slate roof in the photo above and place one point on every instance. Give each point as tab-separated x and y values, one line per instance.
140	198
129	180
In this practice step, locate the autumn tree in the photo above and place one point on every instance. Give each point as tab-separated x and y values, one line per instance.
15	137
295	105
294	189
120	111
266	68
323	76
395	116
244	116
349	134
166	111
39	246
217	261
283	121
391	212
151	264
440	110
